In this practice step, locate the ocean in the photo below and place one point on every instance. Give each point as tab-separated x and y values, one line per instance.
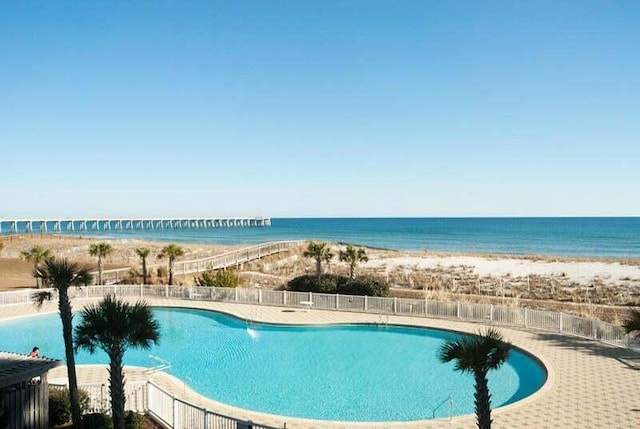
607	237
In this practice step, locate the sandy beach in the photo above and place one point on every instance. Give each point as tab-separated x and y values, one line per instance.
582	286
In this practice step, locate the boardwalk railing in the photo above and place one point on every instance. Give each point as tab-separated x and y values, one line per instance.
224	260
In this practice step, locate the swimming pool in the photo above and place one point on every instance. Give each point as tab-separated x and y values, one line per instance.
337	372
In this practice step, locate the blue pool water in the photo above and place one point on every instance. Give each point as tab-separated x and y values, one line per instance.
338	372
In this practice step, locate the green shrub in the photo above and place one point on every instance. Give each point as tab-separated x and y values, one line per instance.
331	283
162	271
60	405
365	285
97	421
325	283
133	420
219	278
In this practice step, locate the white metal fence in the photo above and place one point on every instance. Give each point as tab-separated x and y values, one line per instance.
181	415
484	313
147	397
224	260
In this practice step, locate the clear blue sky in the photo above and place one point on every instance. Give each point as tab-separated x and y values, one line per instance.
319	108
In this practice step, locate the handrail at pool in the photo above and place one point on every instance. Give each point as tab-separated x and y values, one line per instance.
148	397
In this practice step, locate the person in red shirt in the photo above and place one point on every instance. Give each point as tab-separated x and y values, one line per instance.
35	352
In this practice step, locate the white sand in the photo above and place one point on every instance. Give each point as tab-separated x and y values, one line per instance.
578	272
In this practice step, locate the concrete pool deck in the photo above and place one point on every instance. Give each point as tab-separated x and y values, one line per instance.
590	384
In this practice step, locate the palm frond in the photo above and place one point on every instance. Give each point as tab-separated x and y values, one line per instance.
39	298
478	354
115	324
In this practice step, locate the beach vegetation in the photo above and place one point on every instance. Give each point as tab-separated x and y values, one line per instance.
477	355
632	322
1	247
219	278
61	274
143	253
133	276
364	285
332	283
321	252
162	272
353	256
171	252
37	255
101	250
114	325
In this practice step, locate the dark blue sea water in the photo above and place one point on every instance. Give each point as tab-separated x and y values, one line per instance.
595	237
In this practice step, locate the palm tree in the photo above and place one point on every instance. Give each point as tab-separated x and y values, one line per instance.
61	275
632	323
171	251
143	253
37	255
320	252
478	355
114	325
353	256
101	250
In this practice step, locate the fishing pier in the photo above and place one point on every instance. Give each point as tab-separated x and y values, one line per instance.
42	226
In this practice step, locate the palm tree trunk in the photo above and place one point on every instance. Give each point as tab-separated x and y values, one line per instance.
482	401
144	271
318	267
352	271
116	386
35	267
66	316
170	271
99	270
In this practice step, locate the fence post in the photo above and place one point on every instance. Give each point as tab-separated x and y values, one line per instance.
395	305
561	322
284	297
141	290
236	294
166	291
365	303
594	329
337	300
173	399
259	296
310	296
206	420
491	314
526	317
458	310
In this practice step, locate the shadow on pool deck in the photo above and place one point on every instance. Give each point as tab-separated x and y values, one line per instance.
628	357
